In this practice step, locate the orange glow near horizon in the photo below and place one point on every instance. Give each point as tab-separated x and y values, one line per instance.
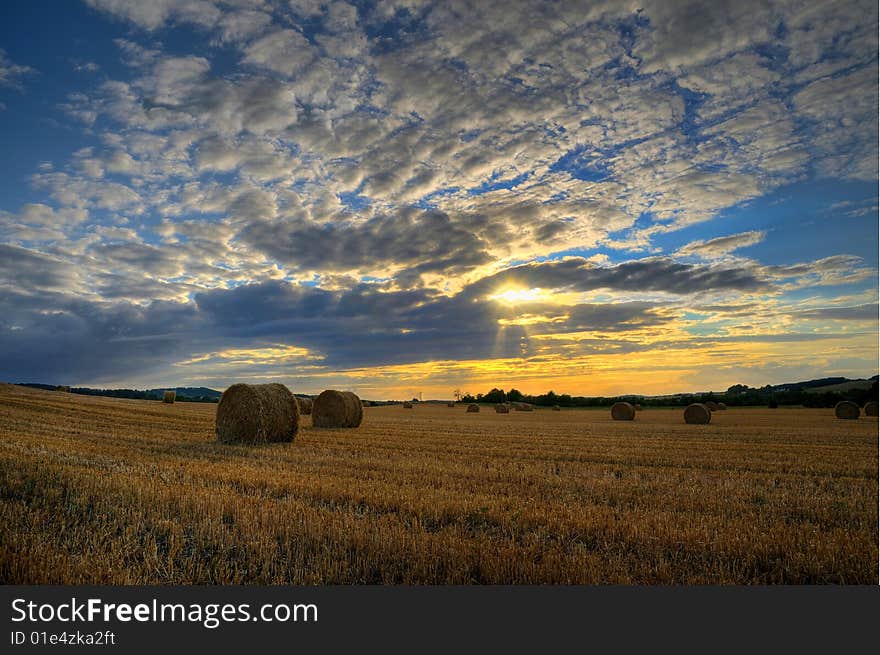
676	368
673	355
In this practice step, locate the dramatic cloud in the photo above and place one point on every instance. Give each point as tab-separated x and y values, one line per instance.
28	270
418	241
652	274
312	189
858	313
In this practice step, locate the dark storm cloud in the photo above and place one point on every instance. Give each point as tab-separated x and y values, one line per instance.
140	256
653	274
613	317
366	327
550	230
424	241
869	312
57	338
27	269
358	326
743	308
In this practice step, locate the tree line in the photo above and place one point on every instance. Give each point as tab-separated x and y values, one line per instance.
737	395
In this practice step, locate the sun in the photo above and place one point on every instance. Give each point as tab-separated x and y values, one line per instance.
516	295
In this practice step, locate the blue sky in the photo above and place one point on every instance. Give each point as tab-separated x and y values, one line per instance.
405	196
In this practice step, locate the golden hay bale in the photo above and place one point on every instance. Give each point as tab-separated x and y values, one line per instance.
407	404
556	408
473	408
305	405
337	409
450	404
623	412
522	407
257	413
847	409
722	406
712	405
697	413
501	408
871	408
169	396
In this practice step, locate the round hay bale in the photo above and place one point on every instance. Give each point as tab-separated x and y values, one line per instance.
847	409
337	409
722	406
712	405
450	404
556	408
169	396
871	408
257	413
501	408
407	404
473	408
623	412
697	413
305	405
522	407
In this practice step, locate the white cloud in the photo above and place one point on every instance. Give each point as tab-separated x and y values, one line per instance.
155	13
10	72
284	51
720	246
240	26
843	110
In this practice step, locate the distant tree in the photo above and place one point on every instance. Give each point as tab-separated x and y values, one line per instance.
494	396
737	388
514	396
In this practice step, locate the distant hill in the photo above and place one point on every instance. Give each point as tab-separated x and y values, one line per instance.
184	394
191	392
842	386
811	384
826	384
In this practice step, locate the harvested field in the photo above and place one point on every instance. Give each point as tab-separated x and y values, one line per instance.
109	491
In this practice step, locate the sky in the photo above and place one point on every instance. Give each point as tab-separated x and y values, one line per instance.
404	197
